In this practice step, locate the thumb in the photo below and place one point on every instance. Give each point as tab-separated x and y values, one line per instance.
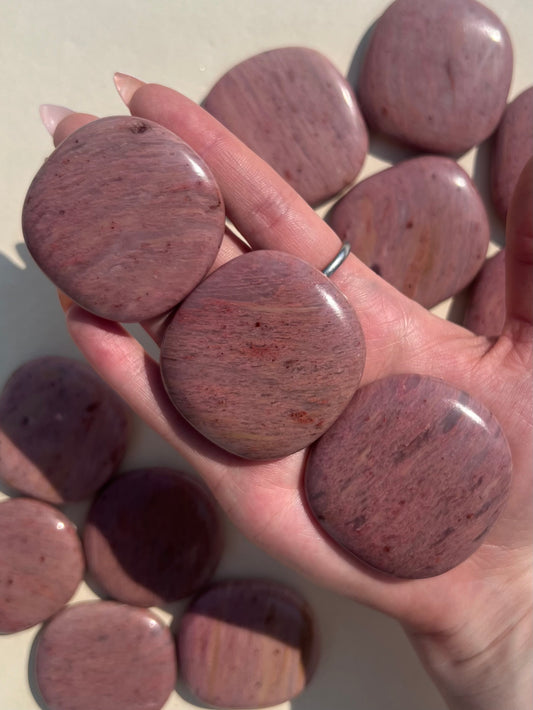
519	254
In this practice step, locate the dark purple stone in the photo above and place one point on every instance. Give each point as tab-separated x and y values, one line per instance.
512	148
124	218
152	536
41	563
436	74
107	656
411	477
263	356
293	108
421	225
63	432
247	643
485	312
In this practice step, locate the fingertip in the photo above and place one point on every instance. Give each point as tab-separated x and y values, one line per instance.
64	300
126	86
51	115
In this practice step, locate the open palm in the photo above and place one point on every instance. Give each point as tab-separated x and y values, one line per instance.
265	499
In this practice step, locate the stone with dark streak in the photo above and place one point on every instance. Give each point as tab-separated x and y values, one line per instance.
411	477
294	109
152	537
436	74
485	311
247	643
124	217
421	225
263	356
105	655
41	563
63	431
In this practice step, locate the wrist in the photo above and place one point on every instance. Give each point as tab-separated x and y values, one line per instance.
485	665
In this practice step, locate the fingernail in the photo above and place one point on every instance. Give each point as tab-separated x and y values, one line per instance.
126	86
64	300
52	115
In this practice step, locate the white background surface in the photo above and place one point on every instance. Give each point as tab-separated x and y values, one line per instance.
65	52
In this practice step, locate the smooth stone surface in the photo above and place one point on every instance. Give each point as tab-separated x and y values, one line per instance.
436	74
63	431
512	148
263	356
152	536
293	108
41	563
107	656
247	644
411	477
421	225
485	312
124	218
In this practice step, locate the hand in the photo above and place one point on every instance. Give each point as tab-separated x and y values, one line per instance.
462	622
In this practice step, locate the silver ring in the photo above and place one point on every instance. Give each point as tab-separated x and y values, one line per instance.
337	261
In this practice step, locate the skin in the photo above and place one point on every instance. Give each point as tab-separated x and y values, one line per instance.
472	625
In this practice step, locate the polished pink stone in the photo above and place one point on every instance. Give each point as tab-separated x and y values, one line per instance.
411	477
63	432
247	643
41	563
105	656
512	148
436	74
124	218
293	108
263	356
485	312
152	536
421	225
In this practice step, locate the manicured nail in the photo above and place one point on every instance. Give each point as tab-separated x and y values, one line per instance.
126	86
64	300
52	115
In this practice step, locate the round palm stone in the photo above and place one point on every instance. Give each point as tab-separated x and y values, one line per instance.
294	109
436	74
124	217
263	356
152	537
421	225
512	147
63	432
105	655
247	644
411	477
42	563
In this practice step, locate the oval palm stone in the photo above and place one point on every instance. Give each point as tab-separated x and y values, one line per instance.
41	563
421	225
262	637
63	432
293	108
512	148
124	218
152	537
263	355
105	655
485	311
436	74
411	477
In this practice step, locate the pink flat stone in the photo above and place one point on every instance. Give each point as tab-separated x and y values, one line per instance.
263	356
41	563
105	656
152	537
411	477
421	225
485	312
436	74
293	108
124	218
512	148
63	432
247	644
